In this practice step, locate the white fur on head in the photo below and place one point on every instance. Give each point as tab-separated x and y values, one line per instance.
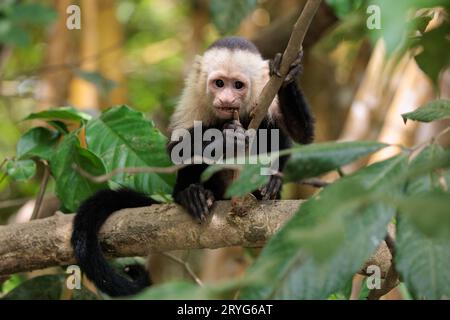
194	105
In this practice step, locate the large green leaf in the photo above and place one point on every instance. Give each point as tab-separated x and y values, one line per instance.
62	113
21	170
435	110
429	212
37	142
315	159
227	15
122	137
345	222
422	242
71	186
422	261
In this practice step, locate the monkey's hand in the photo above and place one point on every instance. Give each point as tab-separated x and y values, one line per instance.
294	69
272	189
196	200
234	134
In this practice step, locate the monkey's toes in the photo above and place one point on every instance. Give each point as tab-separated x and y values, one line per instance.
272	189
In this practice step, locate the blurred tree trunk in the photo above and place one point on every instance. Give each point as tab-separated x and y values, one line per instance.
83	94
110	48
53	84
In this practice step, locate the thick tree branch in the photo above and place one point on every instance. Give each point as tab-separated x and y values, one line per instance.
135	232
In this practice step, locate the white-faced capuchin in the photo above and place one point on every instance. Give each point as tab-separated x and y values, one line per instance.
225	81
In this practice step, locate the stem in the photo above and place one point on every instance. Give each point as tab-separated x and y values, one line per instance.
41	193
186	266
270	90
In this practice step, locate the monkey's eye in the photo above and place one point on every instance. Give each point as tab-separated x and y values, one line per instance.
238	84
219	83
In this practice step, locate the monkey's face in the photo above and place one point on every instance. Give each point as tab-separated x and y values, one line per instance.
228	92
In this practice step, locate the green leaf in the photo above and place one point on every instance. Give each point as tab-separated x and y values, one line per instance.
343	7
434	57
435	110
32	13
429	212
422	242
60	126
47	287
315	159
182	290
122	137
288	267
71	187
12	35
422	261
103	84
21	170
250	179
62	113
227	15
428	179
37	142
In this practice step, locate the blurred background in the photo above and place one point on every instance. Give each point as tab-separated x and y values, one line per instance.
137	52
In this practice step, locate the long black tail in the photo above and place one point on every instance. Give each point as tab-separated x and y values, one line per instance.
91	215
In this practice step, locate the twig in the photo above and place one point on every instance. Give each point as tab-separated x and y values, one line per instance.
340	172
3	177
3	163
130	170
432	140
315	182
186	266
295	43
42	188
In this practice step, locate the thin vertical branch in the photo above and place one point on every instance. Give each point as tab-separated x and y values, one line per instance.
294	45
41	193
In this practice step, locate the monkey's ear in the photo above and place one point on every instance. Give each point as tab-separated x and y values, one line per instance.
198	60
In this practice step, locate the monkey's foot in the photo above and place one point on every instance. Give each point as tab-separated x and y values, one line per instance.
272	189
294	69
197	201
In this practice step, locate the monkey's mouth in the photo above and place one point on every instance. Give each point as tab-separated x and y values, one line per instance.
226	111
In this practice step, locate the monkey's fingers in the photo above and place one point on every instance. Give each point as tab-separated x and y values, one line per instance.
272	189
199	202
292	74
294	69
274	65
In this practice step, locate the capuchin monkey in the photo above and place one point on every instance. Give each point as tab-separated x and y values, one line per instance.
223	85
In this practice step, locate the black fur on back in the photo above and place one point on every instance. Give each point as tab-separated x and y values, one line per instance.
235	43
91	215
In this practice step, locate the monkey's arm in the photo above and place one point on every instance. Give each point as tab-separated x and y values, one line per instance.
190	192
297	117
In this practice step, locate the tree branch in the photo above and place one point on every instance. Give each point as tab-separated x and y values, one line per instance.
270	90
135	232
